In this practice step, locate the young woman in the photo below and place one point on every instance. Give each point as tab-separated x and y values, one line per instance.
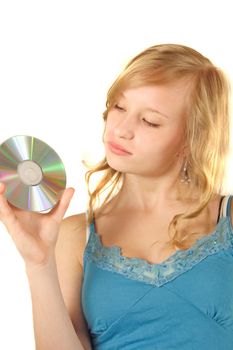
150	265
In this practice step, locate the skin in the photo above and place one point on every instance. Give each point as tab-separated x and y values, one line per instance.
35	236
157	151
55	277
152	172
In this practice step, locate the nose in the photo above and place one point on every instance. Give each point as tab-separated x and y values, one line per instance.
124	129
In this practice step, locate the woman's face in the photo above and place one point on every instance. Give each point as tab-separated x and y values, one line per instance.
148	122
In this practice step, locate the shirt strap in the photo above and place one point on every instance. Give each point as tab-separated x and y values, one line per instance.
225	206
87	228
228	209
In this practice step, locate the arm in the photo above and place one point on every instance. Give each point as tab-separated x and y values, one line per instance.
35	236
52	325
71	243
56	292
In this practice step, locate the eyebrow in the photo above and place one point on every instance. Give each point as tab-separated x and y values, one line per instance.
151	109
158	112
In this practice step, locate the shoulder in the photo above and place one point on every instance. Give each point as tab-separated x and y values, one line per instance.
74	221
72	237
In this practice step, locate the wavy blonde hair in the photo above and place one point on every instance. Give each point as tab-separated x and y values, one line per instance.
207	130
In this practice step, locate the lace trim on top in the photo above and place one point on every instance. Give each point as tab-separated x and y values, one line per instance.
111	258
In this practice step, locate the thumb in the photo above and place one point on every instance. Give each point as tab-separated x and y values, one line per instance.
58	212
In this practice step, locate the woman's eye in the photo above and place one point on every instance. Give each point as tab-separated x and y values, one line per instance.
151	124
119	107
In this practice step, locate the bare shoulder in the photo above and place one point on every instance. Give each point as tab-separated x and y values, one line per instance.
72	236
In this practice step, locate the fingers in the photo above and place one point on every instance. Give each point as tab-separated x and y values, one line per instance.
2	187
6	214
60	209
57	213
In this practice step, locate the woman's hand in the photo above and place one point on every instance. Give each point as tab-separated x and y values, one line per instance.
34	234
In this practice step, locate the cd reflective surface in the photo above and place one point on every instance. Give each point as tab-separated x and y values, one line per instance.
33	172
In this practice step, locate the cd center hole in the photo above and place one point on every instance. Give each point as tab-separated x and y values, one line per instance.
30	173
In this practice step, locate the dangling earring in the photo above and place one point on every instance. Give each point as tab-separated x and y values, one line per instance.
185	178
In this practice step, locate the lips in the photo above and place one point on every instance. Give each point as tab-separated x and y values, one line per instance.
118	147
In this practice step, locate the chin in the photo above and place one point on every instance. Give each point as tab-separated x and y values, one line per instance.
117	165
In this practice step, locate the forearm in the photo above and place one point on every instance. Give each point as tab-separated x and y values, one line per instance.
53	327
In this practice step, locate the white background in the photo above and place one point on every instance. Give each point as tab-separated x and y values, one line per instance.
57	60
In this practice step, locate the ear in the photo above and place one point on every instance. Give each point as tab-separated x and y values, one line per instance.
186	151
183	152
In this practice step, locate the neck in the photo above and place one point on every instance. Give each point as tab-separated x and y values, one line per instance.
149	194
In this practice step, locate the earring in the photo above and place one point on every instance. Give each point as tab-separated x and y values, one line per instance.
185	178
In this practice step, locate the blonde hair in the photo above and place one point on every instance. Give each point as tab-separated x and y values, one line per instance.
207	130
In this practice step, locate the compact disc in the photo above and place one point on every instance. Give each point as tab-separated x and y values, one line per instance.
33	172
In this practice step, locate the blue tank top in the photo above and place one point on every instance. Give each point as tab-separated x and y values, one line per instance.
183	303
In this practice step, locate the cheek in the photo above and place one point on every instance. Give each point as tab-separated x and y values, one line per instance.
109	128
176	144
161	144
